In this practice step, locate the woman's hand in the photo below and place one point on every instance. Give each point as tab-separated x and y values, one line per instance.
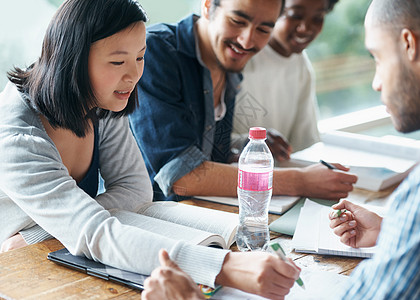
169	282
12	243
258	273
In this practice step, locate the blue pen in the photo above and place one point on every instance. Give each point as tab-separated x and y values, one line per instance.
280	252
329	166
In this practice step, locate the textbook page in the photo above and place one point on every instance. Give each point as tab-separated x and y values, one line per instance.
313	234
278	204
318	285
205	219
170	230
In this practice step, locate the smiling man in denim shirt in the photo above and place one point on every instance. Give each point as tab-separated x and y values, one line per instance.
187	95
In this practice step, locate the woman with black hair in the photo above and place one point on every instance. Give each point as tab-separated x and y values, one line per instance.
62	120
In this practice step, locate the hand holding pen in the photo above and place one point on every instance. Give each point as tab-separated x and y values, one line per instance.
355	225
319	181
280	253
328	165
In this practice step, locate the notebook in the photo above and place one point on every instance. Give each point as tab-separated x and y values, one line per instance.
97	269
286	224
313	234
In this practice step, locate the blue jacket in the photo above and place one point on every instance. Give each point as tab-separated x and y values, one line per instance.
174	124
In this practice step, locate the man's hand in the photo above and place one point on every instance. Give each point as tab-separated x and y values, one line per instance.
318	181
278	145
169	282
12	243
357	226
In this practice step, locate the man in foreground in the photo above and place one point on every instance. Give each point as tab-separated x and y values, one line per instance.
393	38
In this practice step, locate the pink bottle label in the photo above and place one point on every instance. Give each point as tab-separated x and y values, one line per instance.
255	181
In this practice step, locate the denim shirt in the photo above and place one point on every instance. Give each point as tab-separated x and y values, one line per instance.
174	124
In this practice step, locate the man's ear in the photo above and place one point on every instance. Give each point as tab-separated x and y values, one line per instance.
410	44
205	8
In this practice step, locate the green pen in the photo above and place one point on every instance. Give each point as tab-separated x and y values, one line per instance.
280	252
339	212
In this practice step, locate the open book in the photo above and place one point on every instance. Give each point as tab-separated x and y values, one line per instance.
378	162
197	225
314	235
278	204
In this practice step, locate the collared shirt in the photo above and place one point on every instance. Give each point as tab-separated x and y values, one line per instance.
394	271
174	124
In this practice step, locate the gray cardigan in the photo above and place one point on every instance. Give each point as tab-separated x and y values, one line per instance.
37	193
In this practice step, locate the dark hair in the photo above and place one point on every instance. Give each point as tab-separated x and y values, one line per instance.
216	3
58	83
331	4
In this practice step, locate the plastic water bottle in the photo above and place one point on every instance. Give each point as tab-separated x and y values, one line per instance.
255	181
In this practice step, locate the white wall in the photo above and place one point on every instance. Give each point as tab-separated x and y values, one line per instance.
23	24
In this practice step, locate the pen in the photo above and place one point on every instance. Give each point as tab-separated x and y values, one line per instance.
339	212
329	166
280	252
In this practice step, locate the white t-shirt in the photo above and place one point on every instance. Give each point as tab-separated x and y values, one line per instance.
278	92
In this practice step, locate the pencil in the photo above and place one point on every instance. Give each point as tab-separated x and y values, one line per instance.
280	252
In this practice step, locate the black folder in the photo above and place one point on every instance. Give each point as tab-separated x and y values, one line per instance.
97	269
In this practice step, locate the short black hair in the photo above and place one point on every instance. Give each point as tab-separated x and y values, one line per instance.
331	4
396	14
216	3
58	83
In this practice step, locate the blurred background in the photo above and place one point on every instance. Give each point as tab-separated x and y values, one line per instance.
344	69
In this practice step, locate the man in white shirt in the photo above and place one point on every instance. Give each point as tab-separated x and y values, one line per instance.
278	89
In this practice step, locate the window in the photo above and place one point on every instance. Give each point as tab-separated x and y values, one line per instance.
344	69
344	72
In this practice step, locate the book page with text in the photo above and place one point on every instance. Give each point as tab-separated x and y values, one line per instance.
168	229
210	220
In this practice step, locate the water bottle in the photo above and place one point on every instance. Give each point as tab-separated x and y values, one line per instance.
255	181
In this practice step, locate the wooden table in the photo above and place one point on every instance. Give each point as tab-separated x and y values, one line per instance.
27	274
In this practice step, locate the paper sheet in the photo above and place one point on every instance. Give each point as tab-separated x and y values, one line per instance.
318	285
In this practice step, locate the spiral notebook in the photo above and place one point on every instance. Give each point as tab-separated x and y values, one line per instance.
313	234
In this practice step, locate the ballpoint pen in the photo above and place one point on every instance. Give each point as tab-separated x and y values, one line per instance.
280	252
328	165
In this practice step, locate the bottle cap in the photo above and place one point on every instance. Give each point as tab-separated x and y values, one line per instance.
257	133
